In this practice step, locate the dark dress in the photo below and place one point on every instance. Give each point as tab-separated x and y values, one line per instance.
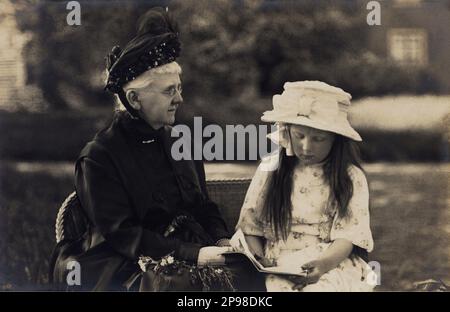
130	190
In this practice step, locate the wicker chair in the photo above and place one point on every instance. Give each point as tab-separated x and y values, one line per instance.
70	221
228	194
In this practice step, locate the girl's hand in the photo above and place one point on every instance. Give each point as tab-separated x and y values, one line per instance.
315	269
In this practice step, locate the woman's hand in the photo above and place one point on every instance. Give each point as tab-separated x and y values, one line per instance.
315	269
212	255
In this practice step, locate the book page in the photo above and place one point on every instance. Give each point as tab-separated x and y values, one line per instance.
240	245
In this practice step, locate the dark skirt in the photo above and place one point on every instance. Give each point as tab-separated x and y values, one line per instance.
103	269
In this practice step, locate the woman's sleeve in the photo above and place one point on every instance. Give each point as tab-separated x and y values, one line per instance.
250	218
107	206
356	226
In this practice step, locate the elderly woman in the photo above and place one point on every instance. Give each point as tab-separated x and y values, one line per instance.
137	199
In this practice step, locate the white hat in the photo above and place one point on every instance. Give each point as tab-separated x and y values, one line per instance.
313	104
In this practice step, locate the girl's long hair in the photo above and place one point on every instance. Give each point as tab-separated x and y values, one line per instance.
277	208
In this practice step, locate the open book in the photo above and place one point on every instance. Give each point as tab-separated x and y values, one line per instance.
240	246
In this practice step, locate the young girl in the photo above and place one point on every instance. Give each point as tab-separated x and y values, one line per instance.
312	210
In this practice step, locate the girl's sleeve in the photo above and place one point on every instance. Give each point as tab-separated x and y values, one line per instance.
356	226
250	218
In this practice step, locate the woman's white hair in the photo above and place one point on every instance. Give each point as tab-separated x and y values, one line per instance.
146	78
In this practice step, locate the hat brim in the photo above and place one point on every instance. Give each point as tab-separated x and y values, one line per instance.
344	129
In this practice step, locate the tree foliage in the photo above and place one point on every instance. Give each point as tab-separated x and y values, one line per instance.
232	50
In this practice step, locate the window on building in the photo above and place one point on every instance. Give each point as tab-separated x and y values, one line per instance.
407	3
408	46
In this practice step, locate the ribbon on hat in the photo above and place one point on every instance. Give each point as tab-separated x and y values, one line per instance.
292	104
282	138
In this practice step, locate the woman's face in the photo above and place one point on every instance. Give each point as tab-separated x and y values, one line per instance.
159	101
311	146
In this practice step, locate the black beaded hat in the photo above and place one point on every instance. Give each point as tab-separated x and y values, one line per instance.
155	44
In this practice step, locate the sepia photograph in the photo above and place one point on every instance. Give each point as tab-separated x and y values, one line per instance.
225	146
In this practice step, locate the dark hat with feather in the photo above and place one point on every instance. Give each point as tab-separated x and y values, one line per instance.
155	44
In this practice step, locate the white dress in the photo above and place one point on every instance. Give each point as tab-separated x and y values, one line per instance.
314	227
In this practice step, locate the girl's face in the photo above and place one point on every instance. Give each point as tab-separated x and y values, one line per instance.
311	146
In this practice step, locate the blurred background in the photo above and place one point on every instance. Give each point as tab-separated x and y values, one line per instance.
235	55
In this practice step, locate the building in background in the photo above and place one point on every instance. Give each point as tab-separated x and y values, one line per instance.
12	66
15	93
416	34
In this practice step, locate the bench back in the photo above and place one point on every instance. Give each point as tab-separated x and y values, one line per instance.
228	194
